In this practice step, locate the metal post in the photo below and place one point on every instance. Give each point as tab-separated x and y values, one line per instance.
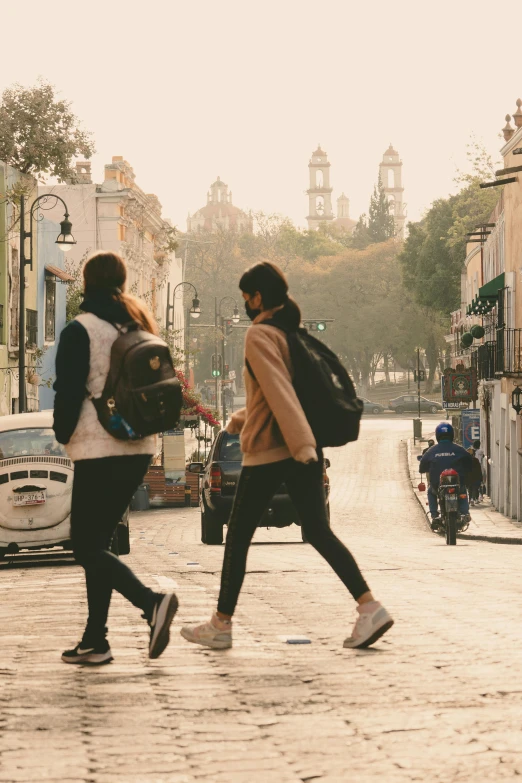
187	343
223	400
216	348
418	380
167	315
21	314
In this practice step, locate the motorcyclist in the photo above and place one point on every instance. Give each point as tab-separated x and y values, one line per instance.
444	455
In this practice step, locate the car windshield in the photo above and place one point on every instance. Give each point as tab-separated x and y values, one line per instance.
230	450
37	442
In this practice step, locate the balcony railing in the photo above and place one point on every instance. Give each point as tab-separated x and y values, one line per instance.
485	361
508	352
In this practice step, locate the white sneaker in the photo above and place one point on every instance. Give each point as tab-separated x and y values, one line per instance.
215	634
369	627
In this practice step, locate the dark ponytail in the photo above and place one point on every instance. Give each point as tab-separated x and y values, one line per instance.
270	282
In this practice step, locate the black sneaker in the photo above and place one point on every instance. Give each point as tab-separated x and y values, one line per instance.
435	523
162	616
89	656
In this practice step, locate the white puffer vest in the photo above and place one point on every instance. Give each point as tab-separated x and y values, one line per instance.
89	439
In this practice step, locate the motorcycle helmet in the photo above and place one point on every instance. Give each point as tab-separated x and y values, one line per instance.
444	431
449	476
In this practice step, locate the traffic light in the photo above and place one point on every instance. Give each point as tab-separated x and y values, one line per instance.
217	366
419	375
227	369
316	326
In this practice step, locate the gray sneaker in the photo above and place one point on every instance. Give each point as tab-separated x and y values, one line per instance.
369	627
209	635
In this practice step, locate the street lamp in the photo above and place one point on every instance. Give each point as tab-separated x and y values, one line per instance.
516	399
65	240
194	312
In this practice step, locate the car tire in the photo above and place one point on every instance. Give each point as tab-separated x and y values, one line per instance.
434	409
399	410
375	411
3	552
211	530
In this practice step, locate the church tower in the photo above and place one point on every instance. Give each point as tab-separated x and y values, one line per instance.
390	170
319	192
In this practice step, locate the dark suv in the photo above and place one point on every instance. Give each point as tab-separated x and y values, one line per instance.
218	481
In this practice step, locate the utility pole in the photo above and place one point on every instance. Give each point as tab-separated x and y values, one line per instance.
21	313
418	381
223	395
216	347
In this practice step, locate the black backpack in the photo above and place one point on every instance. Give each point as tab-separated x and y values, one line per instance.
324	388
142	394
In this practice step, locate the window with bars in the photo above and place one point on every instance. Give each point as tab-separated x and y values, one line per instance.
31	328
50	309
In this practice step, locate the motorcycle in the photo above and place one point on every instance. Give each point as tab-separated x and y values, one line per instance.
448	496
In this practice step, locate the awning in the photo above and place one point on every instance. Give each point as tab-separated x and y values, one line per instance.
487	297
59	273
490	290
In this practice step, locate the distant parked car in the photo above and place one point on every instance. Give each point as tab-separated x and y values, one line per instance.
219	477
372	407
410	402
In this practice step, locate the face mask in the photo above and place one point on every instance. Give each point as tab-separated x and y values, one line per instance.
252	314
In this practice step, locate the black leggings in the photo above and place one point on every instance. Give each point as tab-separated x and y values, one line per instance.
102	490
305	484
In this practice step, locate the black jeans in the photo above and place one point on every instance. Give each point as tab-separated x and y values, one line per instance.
102	490
256	487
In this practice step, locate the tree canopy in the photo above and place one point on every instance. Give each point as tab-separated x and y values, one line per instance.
39	133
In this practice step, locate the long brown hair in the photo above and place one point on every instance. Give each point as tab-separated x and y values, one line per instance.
107	272
268	280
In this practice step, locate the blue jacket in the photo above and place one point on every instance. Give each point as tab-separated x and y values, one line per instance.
446	455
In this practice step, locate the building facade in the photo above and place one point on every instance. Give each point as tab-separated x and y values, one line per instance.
492	301
118	215
12	182
319	191
219	213
390	172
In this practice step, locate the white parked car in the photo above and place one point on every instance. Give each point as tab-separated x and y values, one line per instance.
36	478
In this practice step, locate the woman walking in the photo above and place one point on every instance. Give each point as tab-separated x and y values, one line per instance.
107	471
279	446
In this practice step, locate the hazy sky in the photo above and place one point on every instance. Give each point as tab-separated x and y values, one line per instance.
245	89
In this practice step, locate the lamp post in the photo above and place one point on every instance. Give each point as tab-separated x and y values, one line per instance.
65	240
193	312
235	320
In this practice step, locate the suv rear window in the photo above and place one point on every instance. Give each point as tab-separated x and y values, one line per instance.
230	450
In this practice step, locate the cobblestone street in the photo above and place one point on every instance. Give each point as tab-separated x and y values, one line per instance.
438	699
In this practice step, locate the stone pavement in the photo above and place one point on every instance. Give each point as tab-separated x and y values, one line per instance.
437	699
487	524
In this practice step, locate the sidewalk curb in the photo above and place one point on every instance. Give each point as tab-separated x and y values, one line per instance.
463	536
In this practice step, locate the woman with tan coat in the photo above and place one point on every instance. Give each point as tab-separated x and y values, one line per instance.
278	446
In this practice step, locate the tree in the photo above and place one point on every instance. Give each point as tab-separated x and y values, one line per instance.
434	252
381	223
361	237
39	134
363	292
